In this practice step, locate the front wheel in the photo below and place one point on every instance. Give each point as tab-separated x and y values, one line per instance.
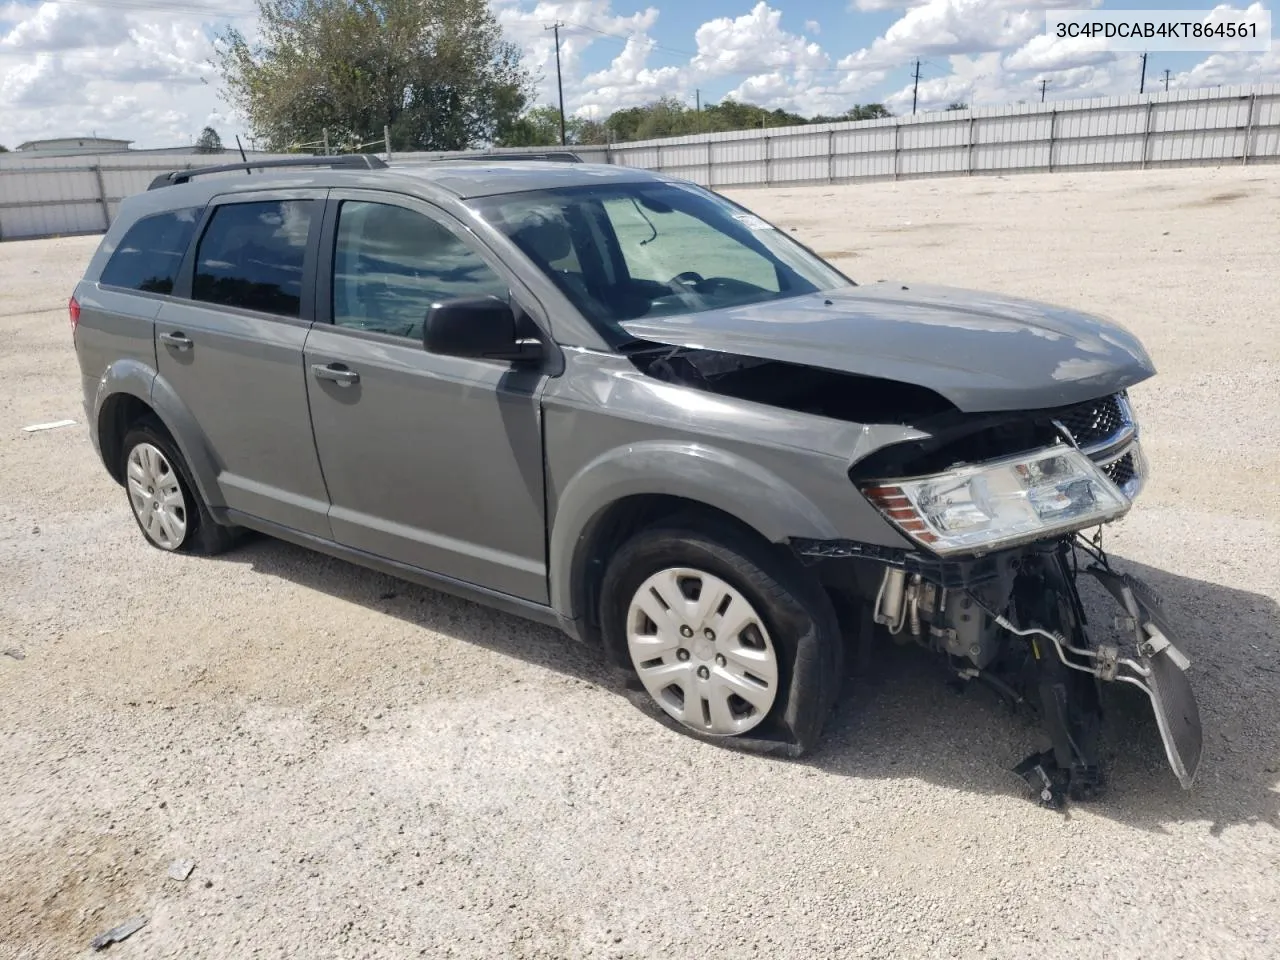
727	639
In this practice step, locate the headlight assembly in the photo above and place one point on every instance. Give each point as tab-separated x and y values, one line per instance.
1002	503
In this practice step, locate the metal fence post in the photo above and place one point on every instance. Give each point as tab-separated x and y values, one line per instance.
831	156
1053	123
768	173
971	144
660	158
1248	130
1146	135
897	141
102	196
711	169
386	141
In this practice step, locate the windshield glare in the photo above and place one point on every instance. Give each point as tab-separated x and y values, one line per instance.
654	249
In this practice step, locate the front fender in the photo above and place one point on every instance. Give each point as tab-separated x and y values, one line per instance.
689	470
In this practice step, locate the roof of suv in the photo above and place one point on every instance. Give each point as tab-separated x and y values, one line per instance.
463	179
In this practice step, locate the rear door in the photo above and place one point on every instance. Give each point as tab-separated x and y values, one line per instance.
231	348
431	461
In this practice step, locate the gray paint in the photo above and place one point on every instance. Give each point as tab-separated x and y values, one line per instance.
487	478
981	351
243	380
432	461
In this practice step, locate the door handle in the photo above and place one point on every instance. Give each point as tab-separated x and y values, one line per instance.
179	341
335	373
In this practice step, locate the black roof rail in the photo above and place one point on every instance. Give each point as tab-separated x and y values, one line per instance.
363	161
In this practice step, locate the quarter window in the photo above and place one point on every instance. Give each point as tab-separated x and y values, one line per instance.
151	252
391	264
252	254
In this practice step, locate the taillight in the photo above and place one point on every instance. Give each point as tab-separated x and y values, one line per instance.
73	308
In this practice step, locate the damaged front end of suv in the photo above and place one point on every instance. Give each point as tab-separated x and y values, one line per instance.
994	505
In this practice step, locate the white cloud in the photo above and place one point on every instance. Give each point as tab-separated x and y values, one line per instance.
53	26
70	69
781	69
586	22
813	26
753	41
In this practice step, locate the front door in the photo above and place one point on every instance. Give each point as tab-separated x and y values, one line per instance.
230	345
430	461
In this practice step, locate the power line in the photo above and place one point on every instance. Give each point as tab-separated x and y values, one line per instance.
915	88
1166	81
559	83
1142	81
1043	85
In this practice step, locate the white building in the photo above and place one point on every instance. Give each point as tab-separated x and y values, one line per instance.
73	146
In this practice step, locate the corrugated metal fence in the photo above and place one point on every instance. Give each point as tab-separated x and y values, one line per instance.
60	196
1236	125
42	197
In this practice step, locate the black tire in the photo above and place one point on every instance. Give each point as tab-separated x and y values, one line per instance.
796	611
204	535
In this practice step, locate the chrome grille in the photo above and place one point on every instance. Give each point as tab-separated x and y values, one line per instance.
1122	471
1097	421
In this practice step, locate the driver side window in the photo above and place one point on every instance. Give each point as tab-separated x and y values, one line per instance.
661	246
390	264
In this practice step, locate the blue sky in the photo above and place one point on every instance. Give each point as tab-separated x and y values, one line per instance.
140	70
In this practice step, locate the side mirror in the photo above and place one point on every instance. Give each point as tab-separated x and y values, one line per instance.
483	328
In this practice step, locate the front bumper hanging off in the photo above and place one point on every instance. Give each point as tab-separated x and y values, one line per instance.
1156	666
1159	670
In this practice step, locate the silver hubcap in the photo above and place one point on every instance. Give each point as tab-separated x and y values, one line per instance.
156	496
702	651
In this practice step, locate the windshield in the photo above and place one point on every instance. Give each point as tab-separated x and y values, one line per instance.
652	249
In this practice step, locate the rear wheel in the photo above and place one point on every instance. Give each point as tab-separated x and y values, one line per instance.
164	501
727	639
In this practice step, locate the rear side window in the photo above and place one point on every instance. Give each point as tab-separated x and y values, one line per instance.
251	256
152	250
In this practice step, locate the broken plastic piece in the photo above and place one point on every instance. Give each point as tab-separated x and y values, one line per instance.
117	934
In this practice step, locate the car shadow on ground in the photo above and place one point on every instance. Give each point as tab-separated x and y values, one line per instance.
903	718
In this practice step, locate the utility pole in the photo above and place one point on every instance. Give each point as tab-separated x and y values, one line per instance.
1043	84
915	89
559	83
1166	81
1142	83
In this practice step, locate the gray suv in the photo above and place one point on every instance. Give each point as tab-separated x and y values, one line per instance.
613	401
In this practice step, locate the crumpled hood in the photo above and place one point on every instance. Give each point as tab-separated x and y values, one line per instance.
981	351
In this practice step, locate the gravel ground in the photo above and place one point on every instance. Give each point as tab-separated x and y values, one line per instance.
361	768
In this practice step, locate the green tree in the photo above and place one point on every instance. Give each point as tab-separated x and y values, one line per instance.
958	105
209	141
730	114
439	73
3	148
859	111
867	111
539	127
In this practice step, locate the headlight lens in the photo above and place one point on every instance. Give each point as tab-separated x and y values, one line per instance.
999	504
